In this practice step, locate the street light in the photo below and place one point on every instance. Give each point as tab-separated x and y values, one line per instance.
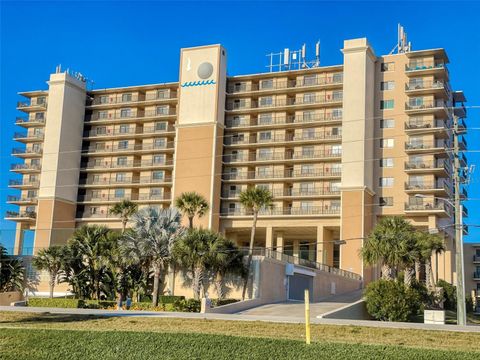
459	265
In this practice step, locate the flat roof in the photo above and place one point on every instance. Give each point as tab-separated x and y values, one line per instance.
286	72
134	87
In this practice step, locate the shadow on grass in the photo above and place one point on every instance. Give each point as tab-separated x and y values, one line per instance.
47	317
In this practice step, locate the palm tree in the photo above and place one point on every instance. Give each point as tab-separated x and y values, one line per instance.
224	257
12	272
191	204
429	244
153	235
254	199
51	260
124	209
92	246
387	243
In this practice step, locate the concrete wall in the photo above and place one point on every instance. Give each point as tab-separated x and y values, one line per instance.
8	297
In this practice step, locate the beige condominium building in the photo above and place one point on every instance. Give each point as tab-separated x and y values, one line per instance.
471	257
339	147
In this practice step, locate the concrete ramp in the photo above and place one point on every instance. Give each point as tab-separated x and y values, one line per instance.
296	309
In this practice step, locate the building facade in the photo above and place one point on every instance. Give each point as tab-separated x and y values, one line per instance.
471	257
339	147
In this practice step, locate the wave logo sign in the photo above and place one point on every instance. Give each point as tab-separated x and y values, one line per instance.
198	83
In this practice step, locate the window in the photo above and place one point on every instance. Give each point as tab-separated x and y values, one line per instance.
156	192
416	181
266	101
37	131
387	143
162	94
306	206
265	119
159	159
103	114
41	100
237	87
308	115
306	188
162	110
385	201
386	182
264	154
336	168
125	113
236	121
336	149
101	130
387	85
239	103
160	143
121	177
99	146
126	97
123	144
308	151
309	98
337	113
335	186
119	193
124	129
386	104
387	66
337	95
103	99
96	194
95	179
35	162
93	210
157	175
386	162
309	80
416	101
160	126
416	83
308	133
97	162
265	136
307	170
237	138
122	161
39	116
338	77
31	193
266	84
387	124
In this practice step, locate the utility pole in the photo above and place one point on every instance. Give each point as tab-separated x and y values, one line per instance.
461	311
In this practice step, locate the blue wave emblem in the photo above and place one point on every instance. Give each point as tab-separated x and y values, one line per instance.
198	83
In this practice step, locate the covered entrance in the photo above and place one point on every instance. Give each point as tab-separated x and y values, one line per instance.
298	279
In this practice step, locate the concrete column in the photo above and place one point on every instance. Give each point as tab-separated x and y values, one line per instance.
296	248
19	234
269	238
280	245
320	245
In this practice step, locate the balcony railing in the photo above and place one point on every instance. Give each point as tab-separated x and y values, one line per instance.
420	165
425	85
253	175
127	181
289	193
134	115
314	210
282	120
32	103
248	87
25	120
427	65
18	199
129	131
324	135
424	124
254	104
425	105
19	167
119	99
20	215
127	164
476	258
425	145
27	136
131	197
426	206
234	158
26	151
23	182
476	275
429	185
131	147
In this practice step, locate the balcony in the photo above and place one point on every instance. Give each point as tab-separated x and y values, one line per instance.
286	211
428	207
125	118
438	107
438	188
33	105
21	200
289	102
337	79
297	193
438	166
476	259
113	100
133	132
125	182
26	137
425	67
106	165
282	121
427	87
132	197
476	275
27	152
134	148
281	175
438	146
420	126
255	140
25	168
25	183
26	216
27	121
283	156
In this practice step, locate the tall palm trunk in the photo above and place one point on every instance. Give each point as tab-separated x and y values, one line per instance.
190	222
429	275
52	284
197	281
250	253
156	283
417	270
219	285
408	276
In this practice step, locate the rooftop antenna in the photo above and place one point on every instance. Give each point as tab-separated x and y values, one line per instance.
403	46
317	54
293	59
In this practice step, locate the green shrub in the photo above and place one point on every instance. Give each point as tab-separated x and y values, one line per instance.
169	299
149	307
449	295
56	303
190	305
389	300
100	304
220	302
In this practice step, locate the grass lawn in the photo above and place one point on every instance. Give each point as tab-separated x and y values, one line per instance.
52	336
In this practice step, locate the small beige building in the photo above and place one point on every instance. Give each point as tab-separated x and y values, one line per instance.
339	147
471	258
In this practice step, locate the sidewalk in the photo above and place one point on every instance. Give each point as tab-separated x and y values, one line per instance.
241	317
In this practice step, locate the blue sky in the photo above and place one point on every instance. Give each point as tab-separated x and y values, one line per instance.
130	43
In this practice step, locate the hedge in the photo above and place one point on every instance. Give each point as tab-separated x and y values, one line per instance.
56	303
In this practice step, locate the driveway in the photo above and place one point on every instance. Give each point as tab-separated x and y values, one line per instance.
296	309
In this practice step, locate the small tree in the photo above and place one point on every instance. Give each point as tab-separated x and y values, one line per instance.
191	204
51	260
429	244
125	210
254	199
12	272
